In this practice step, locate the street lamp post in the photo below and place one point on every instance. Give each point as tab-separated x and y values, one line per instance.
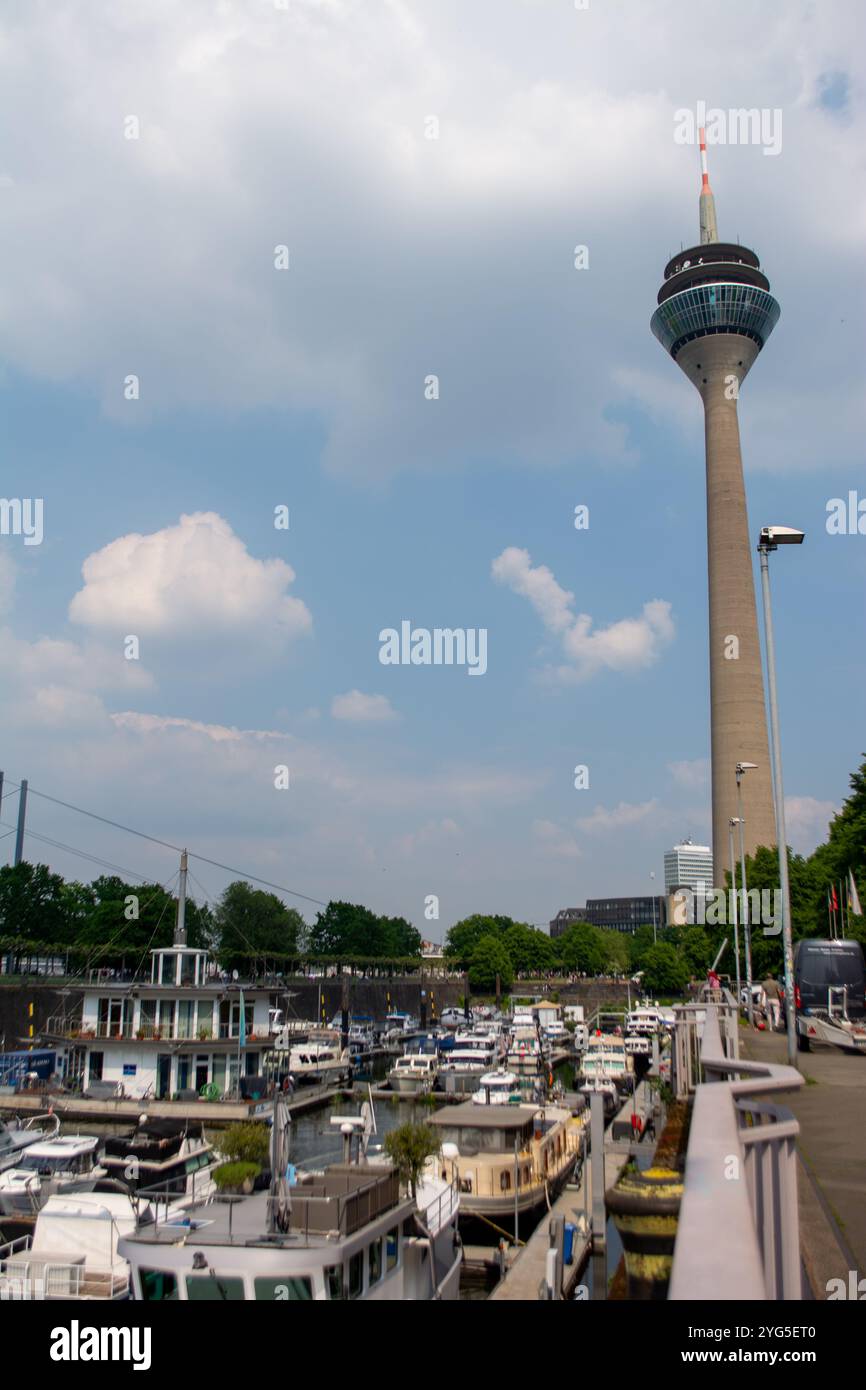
771	538
735	820
747	935
655	931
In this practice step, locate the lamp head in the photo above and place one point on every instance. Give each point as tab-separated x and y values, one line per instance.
745	767
773	536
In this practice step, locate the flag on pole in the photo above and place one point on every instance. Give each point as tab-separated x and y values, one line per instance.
834	901
853	898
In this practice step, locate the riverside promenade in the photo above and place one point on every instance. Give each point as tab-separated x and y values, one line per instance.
831	1110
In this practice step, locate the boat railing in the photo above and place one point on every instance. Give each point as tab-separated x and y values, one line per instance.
738	1229
28	1276
443	1207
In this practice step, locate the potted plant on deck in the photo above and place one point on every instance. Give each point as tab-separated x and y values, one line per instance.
247	1148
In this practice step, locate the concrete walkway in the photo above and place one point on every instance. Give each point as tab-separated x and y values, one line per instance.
831	1110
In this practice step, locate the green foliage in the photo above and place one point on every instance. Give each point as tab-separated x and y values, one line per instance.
250	922
349	931
464	936
408	1147
233	1175
489	959
664	970
120	920
531	951
249	1142
581	949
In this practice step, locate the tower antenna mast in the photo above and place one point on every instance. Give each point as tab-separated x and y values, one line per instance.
709	230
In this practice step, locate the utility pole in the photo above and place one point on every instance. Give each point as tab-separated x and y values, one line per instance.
22	812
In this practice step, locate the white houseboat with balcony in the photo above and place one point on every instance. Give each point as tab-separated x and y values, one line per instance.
183	1032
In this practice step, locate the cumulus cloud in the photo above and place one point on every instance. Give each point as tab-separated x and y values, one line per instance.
807	820
693	774
357	708
194	579
624	814
244	145
627	645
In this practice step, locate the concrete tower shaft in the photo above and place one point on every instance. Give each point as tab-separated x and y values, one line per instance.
717	365
715	313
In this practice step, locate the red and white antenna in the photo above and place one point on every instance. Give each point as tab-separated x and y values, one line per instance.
707	205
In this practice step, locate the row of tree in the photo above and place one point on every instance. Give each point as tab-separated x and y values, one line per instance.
120	922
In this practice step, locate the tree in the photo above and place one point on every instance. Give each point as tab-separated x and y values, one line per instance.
251	922
489	959
697	950
615	951
641	941
580	949
408	1147
399	937
346	929
531	951
32	904
464	936
664	970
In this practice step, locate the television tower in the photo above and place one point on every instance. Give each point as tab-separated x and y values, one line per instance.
715	312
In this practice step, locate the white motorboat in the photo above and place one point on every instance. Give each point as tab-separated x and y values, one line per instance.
168	1162
72	1251
498	1087
415	1072
556	1034
606	1059
46	1167
311	1061
604	1088
15	1138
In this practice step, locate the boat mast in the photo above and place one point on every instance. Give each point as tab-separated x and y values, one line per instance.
180	924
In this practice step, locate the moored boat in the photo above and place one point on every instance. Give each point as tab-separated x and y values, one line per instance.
507	1158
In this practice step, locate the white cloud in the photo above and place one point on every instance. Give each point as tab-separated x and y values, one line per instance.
693	774
627	645
358	708
195	579
537	150
7	581
218	733
554	842
806	821
625	813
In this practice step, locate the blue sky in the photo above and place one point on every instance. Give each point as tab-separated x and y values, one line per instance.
305	387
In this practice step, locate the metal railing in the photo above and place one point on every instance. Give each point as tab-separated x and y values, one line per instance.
738	1233
27	1276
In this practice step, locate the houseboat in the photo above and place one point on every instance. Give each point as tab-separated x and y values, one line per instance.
507	1157
183	1032
343	1233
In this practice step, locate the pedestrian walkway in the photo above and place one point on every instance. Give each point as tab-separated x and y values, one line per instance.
831	1110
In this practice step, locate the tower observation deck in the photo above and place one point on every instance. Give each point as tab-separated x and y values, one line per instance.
714	315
